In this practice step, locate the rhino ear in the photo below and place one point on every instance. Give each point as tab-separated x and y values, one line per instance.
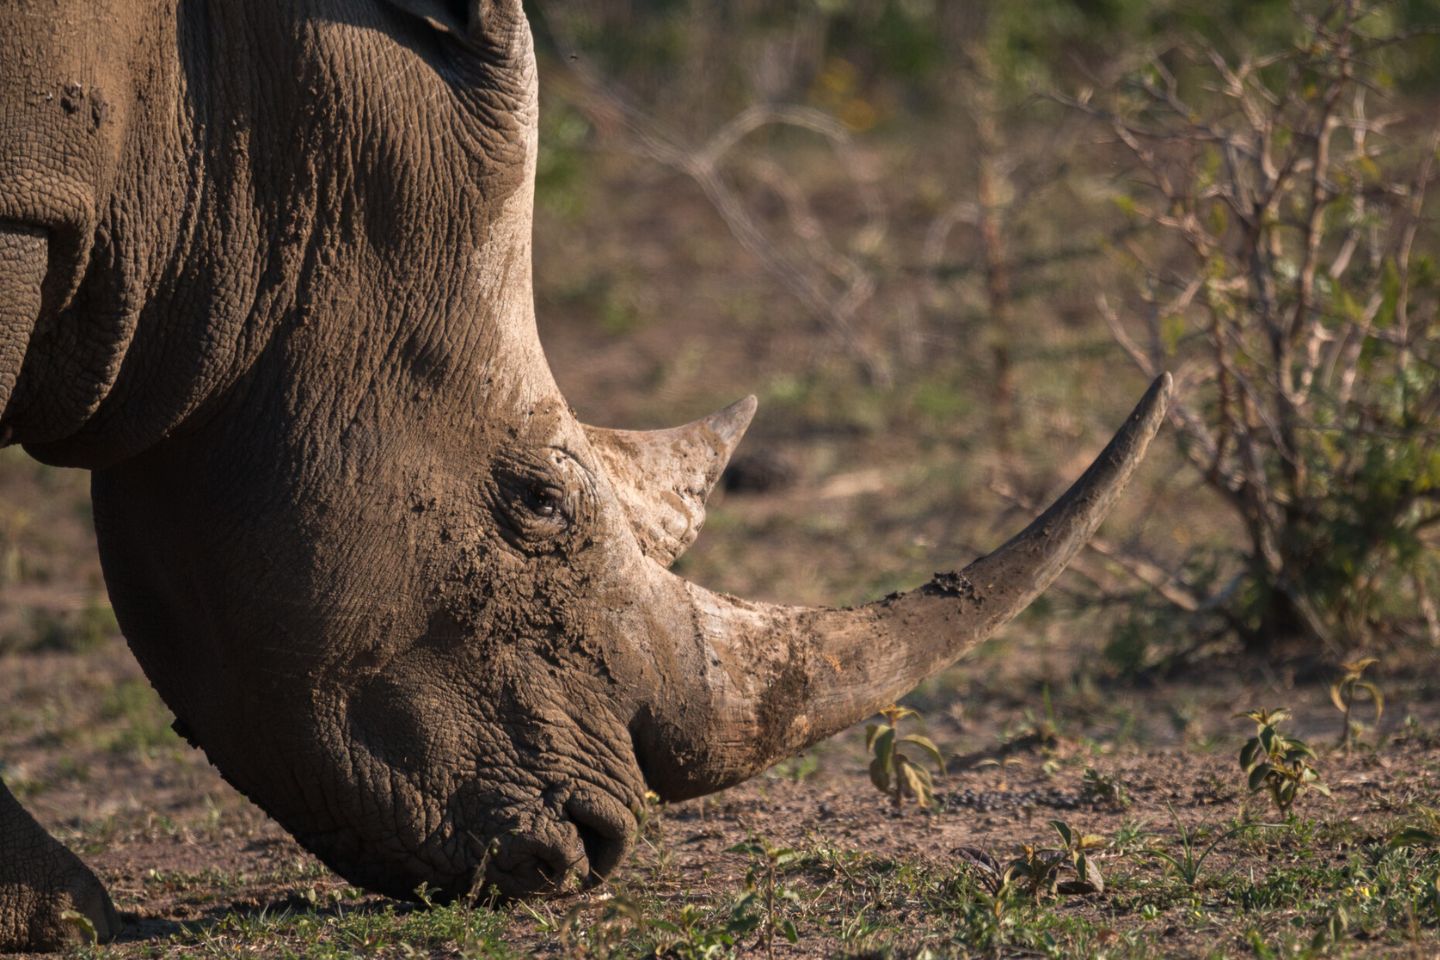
663	477
492	25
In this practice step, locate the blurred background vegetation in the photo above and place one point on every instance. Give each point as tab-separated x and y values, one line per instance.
947	243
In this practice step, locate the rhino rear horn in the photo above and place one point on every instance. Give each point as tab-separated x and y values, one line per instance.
664	477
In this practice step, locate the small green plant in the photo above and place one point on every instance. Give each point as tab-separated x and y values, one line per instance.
1344	693
1191	859
893	773
760	907
982	897
1035	732
1104	789
1077	850
1278	763
1035	870
1130	836
691	935
1040	870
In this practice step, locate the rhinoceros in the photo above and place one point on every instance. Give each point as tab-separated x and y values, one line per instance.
265	271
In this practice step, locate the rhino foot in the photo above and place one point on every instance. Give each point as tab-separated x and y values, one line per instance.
49	899
54	906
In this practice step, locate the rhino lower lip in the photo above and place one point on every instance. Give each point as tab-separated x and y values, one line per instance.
586	845
516	867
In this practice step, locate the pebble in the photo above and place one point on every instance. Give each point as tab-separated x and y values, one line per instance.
988	801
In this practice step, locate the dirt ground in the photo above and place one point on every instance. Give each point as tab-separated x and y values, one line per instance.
87	748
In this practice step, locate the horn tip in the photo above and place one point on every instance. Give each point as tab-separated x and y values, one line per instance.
732	422
1163	387
1153	406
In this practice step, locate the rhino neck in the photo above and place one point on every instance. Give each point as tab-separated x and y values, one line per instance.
71	120
312	229
137	325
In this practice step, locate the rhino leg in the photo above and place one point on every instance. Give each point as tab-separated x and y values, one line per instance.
44	888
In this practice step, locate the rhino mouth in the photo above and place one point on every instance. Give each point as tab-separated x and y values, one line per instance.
575	850
538	852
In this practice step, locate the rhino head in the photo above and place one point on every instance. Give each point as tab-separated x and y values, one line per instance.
265	269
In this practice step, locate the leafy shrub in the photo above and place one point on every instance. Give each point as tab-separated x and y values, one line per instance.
1288	276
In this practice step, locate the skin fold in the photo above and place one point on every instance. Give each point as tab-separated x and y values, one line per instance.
265	270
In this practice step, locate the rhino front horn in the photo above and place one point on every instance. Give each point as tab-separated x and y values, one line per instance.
745	685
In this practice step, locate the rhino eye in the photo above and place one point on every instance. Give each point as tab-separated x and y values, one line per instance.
537	502
544	500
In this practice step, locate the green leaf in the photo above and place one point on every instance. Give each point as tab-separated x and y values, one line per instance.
880	775
885	746
872	730
1247	753
917	781
1066	835
926	744
1267	739
1415	837
1258	775
788	929
78	919
1375	695
1337	697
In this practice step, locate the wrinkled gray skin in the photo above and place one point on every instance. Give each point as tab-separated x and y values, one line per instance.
265	269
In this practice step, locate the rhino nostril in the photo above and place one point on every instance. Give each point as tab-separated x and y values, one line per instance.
595	847
605	842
